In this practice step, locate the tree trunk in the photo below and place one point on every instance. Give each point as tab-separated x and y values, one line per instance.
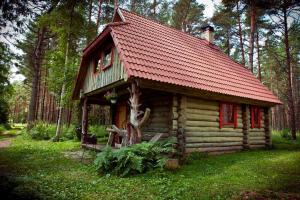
133	5
228	42
291	105
252	31
258	54
240	34
63	88
99	14
44	96
37	58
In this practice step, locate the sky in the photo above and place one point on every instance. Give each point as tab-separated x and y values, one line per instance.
208	12
209	6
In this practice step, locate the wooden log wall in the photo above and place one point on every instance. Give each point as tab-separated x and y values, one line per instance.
267	124
257	136
110	75
160	115
246	125
202	128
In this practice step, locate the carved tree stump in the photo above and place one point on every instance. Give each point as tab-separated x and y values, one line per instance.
137	117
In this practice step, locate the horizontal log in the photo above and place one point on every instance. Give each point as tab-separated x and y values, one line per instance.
214	134
212	129
214	149
160	102
155	129
190	123
203	106
159	120
257	137
196	145
202	112
213	139
260	134
256	129
150	135
201	123
198	117
201	101
159	115
251	142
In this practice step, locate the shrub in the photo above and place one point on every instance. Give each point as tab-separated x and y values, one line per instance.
2	128
285	133
69	133
98	130
134	159
42	131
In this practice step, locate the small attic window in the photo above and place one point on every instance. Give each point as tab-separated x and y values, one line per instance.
228	115
255	117
97	64
107	58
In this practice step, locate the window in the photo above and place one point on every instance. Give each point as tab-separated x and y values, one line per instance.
104	60
107	58
228	115
97	64
255	117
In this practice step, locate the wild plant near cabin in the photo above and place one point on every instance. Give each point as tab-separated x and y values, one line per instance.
134	159
45	131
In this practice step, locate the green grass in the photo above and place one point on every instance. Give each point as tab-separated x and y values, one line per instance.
38	169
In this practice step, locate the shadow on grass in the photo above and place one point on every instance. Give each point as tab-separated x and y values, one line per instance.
10	189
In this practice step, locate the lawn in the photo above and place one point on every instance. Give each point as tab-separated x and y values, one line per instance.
41	170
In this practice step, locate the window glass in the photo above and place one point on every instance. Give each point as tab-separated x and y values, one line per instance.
255	117
228	113
107	58
98	65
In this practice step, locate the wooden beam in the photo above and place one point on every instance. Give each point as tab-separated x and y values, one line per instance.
199	93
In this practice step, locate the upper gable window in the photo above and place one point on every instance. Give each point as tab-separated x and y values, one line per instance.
97	64
104	60
228	115
255	117
107	58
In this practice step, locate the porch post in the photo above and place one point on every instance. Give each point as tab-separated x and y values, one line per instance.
84	120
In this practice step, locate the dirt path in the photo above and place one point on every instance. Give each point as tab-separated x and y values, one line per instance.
5	143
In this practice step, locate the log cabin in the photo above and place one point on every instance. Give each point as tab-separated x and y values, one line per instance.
180	86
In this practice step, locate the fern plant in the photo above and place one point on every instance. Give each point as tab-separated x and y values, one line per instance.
135	159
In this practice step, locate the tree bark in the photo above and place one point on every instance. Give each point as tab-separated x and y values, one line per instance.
63	88
37	57
252	31
258	58
133	5
289	70
240	34
99	14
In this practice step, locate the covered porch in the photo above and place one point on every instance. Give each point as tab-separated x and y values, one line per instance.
136	114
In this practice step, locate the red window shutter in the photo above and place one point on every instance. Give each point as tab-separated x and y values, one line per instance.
235	116
252	116
259	118
220	115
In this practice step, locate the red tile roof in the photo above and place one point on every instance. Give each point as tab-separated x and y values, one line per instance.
153	51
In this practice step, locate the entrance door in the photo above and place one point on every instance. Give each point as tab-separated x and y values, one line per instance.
121	115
